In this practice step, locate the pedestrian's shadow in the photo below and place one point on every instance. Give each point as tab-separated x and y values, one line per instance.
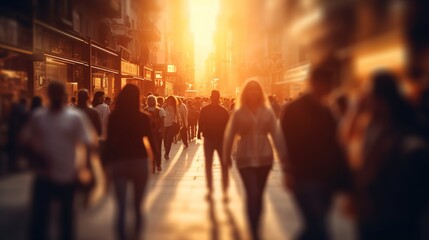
214	228
235	233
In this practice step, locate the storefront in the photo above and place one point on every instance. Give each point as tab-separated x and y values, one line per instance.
16	65
60	56
104	70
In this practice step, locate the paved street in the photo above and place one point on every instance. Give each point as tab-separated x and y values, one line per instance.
175	206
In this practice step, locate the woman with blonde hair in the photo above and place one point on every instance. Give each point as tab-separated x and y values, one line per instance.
252	122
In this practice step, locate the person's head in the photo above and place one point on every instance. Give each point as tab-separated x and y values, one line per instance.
171	101
321	81
215	96
151	101
82	97
108	101
36	102
128	99
57	95
98	98
252	95
160	100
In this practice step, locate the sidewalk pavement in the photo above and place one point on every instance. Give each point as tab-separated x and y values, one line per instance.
175	206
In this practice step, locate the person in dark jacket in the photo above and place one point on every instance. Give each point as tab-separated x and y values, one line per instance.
212	123
316	166
126	153
82	104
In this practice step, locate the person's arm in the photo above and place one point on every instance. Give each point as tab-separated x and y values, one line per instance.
228	139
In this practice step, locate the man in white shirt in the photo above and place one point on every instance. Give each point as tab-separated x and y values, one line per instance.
51	139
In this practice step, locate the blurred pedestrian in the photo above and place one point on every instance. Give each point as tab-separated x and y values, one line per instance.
36	103
183	112
193	115
316	166
156	115
108	101
127	156
391	179
18	118
51	138
82	104
253	121
73	102
99	105
212	124
171	124
274	105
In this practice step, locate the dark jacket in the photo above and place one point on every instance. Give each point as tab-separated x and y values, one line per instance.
212	122
314	152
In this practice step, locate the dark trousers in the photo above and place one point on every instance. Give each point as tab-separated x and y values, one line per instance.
192	131
314	202
134	172
184	135
44	192
158	146
254	180
168	139
210	146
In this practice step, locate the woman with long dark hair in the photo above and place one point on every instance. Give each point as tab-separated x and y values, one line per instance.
127	155
171	123
253	121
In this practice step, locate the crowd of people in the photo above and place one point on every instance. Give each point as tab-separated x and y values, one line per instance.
373	151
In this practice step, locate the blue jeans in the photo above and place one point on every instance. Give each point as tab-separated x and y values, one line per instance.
134	171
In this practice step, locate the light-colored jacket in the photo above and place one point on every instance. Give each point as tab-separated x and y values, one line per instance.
252	131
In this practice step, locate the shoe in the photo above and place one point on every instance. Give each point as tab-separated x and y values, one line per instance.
158	169
166	157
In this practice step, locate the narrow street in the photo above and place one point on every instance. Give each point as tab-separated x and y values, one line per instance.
175	206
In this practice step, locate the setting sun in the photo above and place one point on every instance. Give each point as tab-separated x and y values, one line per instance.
203	15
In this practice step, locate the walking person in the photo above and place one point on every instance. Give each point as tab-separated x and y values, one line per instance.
82	104
157	116
51	138
212	123
316	164
253	121
127	155
171	124
193	116
103	110
183	112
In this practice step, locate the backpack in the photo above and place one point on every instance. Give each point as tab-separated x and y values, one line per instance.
155	119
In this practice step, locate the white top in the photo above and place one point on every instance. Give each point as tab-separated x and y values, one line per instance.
170	116
161	111
103	111
183	111
252	132
56	136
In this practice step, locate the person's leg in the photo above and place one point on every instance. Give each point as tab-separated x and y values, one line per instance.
184	136
254	180
41	209
120	184
140	179
314	205
158	146
168	140
65	194
224	167
208	155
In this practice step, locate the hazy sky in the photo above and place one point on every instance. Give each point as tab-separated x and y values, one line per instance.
203	15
